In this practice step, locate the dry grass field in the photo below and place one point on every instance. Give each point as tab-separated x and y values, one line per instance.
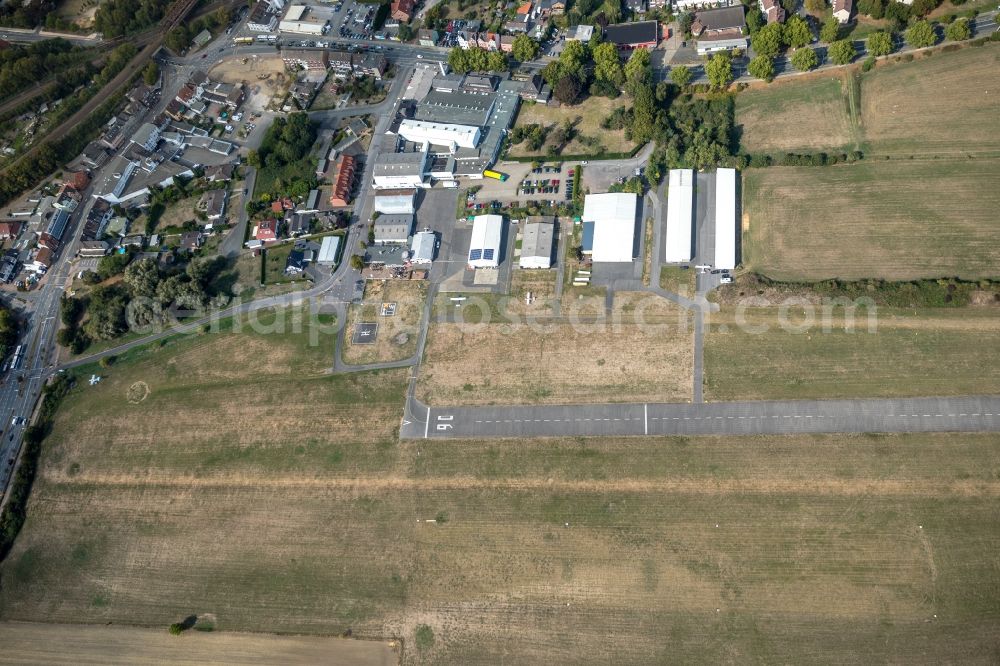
774	119
898	220
928	352
397	335
643	352
587	115
50	644
946	105
941	104
307	517
541	284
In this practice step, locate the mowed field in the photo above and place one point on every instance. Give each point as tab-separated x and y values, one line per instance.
397	335
947	104
897	220
802	115
643	351
940	104
840	549
32	643
906	353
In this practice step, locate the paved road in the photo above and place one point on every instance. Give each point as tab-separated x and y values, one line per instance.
972	414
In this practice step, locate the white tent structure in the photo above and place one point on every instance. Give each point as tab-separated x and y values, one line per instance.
680	199
484	248
613	215
725	218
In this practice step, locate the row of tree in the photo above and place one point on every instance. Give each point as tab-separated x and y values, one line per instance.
22	66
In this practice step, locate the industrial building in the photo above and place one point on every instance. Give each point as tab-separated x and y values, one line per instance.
395	202
484	247
422	247
301	19
680	204
614	218
450	135
393	228
536	244
401	170
328	251
725	218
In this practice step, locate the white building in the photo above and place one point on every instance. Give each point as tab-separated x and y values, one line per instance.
422	247
449	135
536	245
395	202
400	170
484	247
680	199
297	20
613	215
328	251
725	218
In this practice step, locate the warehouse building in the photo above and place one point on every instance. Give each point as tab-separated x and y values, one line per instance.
614	218
680	200
401	170
449	135
302	19
725	218
628	36
536	244
395	202
328	251
422	247
393	228
484	247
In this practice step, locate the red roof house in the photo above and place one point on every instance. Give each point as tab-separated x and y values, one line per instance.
267	231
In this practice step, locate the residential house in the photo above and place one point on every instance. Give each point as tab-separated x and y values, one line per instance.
94	248
402	10
296	262
370	64
11	229
191	240
343	181
303	92
842	10
636	7
356	127
306	59
220	172
518	24
720	29
46	239
536	89
95	155
43	260
773	10
262	18
266	231
213	204
297	224
580	33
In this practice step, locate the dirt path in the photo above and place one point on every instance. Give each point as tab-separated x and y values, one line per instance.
703	486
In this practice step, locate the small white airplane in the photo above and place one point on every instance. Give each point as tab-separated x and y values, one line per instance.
94	379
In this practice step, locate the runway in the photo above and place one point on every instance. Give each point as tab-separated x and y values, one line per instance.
957	414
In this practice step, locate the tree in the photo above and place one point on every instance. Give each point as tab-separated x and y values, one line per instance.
879	43
762	67
873	8
720	70
357	262
797	33
573	60
607	64
897	13
142	277
643	115
567	89
816	6
458	60
842	52
768	40
958	30
830	31
804	59
525	48
404	32
638	71
151	73
921	34
755	20
496	61
681	75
